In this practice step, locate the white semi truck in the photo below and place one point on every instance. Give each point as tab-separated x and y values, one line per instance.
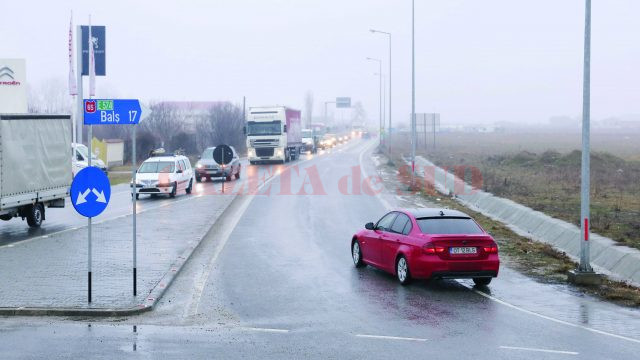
35	171
274	134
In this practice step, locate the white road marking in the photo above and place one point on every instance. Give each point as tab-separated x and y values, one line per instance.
384	202
502	302
539	350
390	337
280	331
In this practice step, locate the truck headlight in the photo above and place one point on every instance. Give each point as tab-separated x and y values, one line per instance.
279	152
251	152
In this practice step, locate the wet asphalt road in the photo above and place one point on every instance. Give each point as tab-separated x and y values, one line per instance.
276	281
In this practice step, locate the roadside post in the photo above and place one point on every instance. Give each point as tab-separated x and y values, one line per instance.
584	274
90	194
117	112
223	155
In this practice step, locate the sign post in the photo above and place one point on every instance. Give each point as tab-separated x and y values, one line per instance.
90	194
118	112
223	155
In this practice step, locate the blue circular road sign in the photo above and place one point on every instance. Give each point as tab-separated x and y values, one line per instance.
90	192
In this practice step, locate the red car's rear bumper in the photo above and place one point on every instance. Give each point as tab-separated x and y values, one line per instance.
430	266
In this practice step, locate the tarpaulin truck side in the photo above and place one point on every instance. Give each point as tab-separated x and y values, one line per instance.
35	165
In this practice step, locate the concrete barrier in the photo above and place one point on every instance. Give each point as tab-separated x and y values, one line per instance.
616	261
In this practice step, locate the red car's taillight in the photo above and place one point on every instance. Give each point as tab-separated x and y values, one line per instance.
491	249
431	249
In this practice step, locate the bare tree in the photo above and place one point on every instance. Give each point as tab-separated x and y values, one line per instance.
50	96
222	125
164	123
359	115
308	109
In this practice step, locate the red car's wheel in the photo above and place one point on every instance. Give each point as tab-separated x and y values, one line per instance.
402	271
356	254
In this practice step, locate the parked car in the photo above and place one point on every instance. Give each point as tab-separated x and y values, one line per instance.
427	243
165	174
80	159
207	168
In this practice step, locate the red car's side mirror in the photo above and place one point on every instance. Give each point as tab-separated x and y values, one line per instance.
369	226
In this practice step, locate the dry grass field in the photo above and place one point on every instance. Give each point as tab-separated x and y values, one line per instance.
542	171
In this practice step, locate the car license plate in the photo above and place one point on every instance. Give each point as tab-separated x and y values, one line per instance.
463	250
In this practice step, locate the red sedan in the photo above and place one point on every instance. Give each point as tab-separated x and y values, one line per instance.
427	243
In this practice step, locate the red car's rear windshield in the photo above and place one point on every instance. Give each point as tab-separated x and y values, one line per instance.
449	225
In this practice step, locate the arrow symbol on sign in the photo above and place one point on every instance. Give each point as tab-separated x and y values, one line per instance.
82	197
100	196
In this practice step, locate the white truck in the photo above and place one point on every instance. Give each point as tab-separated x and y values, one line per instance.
274	134
35	171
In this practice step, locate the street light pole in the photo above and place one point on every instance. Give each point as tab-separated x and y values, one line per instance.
585	266
390	93
381	124
413	91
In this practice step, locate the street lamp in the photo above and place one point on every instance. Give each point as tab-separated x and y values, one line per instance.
381	124
413	91
373	31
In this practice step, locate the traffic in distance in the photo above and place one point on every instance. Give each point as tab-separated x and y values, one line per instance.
320	180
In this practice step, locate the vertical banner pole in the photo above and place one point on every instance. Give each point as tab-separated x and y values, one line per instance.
80	103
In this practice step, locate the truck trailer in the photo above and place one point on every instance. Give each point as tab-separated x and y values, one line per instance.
274	134
35	168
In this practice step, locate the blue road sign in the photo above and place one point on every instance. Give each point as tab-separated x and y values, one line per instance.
90	192
111	111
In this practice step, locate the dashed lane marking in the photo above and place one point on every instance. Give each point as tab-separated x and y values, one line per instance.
270	330
384	337
539	350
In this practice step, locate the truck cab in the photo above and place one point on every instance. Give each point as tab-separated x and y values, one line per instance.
273	134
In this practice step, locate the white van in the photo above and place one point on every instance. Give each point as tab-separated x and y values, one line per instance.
166	174
80	157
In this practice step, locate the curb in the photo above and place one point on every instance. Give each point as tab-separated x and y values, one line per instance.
149	303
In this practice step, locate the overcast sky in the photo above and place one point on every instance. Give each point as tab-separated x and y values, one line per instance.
476	61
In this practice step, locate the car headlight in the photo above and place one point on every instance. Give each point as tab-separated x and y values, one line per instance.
199	166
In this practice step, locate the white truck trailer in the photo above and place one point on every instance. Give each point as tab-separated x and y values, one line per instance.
274	134
35	168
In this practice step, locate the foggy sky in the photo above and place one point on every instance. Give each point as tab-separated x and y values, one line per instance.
477	61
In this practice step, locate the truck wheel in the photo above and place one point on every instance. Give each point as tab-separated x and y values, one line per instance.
6	217
35	215
198	179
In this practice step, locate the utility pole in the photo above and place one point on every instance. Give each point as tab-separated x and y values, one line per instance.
413	92
584	274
